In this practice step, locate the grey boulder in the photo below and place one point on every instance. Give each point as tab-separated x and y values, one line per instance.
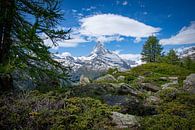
189	84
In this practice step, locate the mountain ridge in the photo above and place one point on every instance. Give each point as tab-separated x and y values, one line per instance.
99	59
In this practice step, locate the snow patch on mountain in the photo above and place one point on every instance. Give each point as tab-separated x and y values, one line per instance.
186	52
98	61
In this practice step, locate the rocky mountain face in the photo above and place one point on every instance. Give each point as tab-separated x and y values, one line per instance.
99	60
187	52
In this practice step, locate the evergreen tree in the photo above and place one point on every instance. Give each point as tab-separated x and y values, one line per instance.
151	50
172	57
22	23
189	63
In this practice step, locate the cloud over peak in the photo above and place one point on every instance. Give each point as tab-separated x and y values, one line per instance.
106	28
111	24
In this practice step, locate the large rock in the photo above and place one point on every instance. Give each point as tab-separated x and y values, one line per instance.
168	85
22	80
84	80
189	84
119	100
121	78
124	121
125	89
106	78
153	100
173	82
150	87
93	89
129	104
173	78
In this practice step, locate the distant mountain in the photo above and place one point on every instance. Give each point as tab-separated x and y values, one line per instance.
186	52
99	60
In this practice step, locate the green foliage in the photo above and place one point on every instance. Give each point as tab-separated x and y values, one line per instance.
167	94
170	58
22	45
161	69
151	50
112	71
165	122
52	110
152	73
188	64
176	112
156	70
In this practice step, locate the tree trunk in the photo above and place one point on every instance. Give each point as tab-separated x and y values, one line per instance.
7	11
6	82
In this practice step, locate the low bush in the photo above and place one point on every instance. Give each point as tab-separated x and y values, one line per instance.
35	110
175	112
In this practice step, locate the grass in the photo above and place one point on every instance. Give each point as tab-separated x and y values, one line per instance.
152	73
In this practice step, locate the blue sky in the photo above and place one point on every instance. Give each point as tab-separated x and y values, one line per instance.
124	25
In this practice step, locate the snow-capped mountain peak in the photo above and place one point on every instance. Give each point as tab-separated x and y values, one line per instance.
99	60
99	49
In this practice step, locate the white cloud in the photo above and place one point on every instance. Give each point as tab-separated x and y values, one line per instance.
80	14
74	10
133	57
124	3
64	54
89	9
137	40
73	42
117	51
104	39
145	13
130	57
112	25
185	36
104	28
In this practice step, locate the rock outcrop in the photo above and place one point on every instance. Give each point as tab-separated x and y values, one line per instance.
106	78
189	84
173	81
150	87
84	80
124	121
121	78
125	89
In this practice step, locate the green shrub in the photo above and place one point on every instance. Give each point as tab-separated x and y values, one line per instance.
162	69
176	112
52	110
168	94
165	122
152	73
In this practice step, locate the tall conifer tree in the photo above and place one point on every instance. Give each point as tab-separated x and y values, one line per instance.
22	23
151	50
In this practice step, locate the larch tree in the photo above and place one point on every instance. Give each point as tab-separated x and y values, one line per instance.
22	25
172	57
